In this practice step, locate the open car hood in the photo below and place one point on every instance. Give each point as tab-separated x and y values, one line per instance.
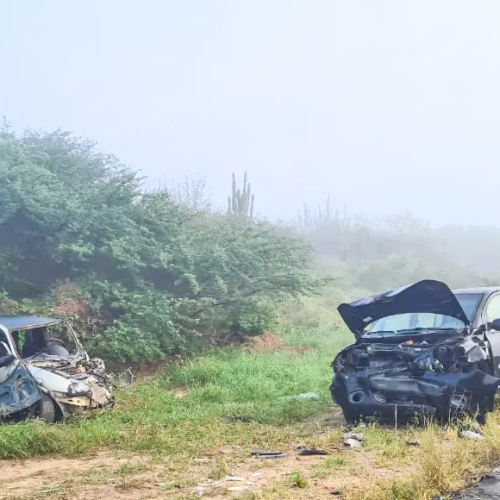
427	296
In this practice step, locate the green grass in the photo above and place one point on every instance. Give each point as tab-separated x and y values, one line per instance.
151	417
299	481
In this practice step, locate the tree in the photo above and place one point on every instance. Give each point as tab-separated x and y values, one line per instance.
156	274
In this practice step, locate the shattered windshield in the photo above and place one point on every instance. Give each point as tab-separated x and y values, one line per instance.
400	323
409	322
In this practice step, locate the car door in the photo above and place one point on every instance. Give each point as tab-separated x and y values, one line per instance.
490	312
18	389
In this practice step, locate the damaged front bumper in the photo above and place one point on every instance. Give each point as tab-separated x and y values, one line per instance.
391	383
100	398
78	386
404	398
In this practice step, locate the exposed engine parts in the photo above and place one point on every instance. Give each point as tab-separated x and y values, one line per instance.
416	355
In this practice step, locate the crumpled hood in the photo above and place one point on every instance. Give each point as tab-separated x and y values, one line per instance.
427	296
53	382
52	361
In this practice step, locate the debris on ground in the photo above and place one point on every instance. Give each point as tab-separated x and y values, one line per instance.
269	454
353	440
468	434
413	443
237	488
124	379
304	451
247	482
305	395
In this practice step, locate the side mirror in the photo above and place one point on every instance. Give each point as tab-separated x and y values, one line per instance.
495	325
6	360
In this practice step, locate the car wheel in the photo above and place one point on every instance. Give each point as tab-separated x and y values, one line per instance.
46	410
487	406
482	418
351	418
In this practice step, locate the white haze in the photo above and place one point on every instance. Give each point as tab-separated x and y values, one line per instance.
387	105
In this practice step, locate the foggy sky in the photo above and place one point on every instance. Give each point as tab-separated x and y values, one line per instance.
386	105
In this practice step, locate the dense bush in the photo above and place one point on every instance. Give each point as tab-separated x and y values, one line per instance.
155	276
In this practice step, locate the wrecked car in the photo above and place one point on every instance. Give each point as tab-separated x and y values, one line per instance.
46	373
421	350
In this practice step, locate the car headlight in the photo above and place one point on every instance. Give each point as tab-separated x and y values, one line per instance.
78	389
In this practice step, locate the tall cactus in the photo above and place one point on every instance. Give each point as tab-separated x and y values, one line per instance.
311	220
240	204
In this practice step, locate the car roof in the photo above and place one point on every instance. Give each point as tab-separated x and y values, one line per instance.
14	323
484	290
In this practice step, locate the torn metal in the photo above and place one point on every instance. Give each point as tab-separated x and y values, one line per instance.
305	451
269	454
416	354
58	378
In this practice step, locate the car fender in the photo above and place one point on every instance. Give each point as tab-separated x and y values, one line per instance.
50	381
494	343
55	400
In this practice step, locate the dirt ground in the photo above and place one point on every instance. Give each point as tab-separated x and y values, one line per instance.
225	474
122	478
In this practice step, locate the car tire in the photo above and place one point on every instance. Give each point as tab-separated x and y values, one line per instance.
482	418
351	418
487	406
46	410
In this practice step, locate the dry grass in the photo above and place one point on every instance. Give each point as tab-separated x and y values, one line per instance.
386	468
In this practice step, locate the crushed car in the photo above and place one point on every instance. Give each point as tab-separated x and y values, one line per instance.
421	350
46	373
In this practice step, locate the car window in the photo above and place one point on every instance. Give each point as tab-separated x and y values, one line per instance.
469	303
492	310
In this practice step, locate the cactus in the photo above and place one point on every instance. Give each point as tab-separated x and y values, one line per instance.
308	220
241	203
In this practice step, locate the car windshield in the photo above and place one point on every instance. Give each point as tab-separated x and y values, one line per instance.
53	340
409	322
